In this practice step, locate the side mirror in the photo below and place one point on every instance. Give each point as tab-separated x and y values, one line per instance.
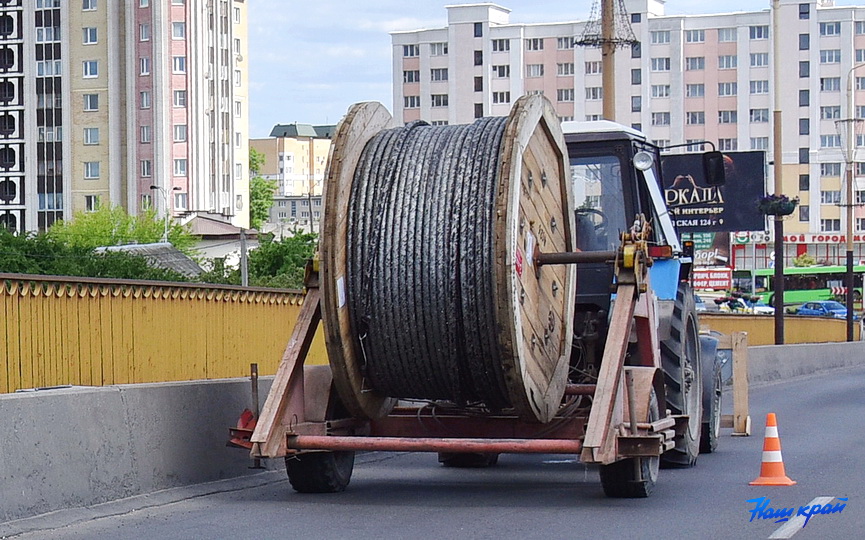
713	168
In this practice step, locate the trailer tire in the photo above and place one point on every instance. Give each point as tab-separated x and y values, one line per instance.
713	388
619	479
680	359
468	460
320	472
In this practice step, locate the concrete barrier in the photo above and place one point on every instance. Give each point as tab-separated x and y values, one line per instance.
83	446
777	362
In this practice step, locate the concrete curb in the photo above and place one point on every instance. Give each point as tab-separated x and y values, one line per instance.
768	363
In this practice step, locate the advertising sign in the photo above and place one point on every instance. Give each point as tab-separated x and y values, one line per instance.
710	249
697	207
716	279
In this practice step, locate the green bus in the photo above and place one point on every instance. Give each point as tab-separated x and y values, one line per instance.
802	284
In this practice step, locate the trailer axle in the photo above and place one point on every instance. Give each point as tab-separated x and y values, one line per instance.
415	444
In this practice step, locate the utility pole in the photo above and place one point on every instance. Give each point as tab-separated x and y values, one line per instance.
244	262
608	60
776	169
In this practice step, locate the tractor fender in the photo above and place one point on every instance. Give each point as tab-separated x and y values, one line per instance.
665	314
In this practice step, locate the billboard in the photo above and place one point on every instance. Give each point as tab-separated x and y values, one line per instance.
697	207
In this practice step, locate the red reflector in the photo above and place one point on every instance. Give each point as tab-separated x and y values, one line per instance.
660	252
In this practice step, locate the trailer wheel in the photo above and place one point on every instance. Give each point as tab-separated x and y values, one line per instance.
680	359
713	387
619	479
468	460
320	472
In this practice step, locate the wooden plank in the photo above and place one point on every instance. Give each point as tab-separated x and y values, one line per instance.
741	418
268	437
598	444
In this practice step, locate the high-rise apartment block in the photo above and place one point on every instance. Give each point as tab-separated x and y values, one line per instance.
689	78
133	103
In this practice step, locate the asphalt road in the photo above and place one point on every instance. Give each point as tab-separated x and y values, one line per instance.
410	496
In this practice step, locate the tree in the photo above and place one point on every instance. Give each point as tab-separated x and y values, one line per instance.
276	263
112	226
260	191
804	260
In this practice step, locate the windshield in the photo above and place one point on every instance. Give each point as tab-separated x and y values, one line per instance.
832	305
599	202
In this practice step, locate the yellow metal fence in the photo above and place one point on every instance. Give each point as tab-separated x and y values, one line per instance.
79	331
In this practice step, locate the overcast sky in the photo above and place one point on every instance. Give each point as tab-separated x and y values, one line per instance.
310	60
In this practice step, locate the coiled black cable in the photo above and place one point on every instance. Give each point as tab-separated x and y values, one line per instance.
421	262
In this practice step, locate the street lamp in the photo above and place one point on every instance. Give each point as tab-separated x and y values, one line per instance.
849	128
167	208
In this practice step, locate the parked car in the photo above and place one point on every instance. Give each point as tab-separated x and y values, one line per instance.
741	305
824	308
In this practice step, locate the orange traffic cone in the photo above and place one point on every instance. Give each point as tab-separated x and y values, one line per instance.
772	469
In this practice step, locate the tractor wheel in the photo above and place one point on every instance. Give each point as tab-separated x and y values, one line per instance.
619	479
713	387
320	472
468	460
680	359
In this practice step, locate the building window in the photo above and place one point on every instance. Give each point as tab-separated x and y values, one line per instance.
91	203
146	168
759	59
636	76
830	84
661	119
636	103
180	98
535	70
411	102
479	110
238	109
410	51
180	167
635	18
695	90
830	112
439	74
178	30
145	133
759	32
593	93
804	69
144	3
636	50
235	13
830	56
178	64
694	118
759	87
804	11
48	68
91	69
695	63
438	49
501	97
759	143
88	5
501	45
830	169
91	170
144	32
830	28
502	71
726	35
479	84
695	36
91	102
659	37
728	61
727	89
180	133
181	201
535	44
860	224
830	141
567	94
804	98
804	42
728	145
804	126
479	58
860	83
439	100
804	155
804	182
479	29
661	64
564	43
144	99
91	135
90	35
660	90
728	117
758	116
411	76
563	70
144	65
804	212
830	225
594	67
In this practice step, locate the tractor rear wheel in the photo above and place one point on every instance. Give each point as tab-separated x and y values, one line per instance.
320	472
680	359
713	387
619	479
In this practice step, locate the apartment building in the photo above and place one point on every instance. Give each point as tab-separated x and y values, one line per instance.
689	78
295	156
135	103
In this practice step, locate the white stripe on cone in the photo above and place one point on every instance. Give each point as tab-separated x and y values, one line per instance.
772	431
772	456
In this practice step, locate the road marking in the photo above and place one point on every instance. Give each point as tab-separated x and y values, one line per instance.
795	524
